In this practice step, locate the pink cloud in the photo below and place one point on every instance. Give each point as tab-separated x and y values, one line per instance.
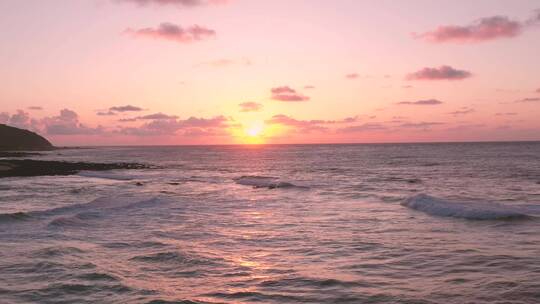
363	128
173	126
67	123
108	113
538	90
421	125
309	87
444	72
463	111
287	94
173	32
306	126
425	102
158	116
485	29
126	108
529	99
20	119
352	76
37	108
250	106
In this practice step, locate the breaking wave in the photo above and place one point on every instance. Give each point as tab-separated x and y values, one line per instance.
265	182
108	175
467	210
83	211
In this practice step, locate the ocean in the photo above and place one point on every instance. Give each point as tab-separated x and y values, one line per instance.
383	223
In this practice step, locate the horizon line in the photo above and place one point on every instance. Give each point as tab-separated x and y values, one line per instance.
310	144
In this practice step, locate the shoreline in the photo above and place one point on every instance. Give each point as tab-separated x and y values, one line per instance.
31	167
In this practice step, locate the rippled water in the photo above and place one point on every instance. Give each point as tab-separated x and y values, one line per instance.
417	223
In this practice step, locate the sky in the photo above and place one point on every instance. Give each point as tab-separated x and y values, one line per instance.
175	72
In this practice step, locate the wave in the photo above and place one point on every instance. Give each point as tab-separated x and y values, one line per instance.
108	175
467	210
83	211
265	182
16	216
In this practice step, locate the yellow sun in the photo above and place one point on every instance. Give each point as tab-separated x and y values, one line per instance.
255	130
254	133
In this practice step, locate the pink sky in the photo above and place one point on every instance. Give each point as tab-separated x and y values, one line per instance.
140	72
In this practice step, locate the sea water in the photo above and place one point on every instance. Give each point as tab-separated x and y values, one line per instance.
389	223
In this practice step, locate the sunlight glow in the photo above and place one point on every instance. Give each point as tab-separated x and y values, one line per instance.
255	129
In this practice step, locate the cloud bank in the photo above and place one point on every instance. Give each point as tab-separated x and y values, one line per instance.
287	94
425	102
484	29
173	32
444	72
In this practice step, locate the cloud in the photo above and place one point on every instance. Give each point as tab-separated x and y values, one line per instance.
538	90
506	114
484	29
20	119
306	126
363	128
67	123
531	99
187	127
108	113
180	3
128	119
173	32
463	111
127	108
352	76
250	106
157	116
465	127
309	87
444	72
287	94
420	125
4	117
426	102
37	108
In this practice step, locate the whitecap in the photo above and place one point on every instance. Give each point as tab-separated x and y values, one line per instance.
265	182
467	210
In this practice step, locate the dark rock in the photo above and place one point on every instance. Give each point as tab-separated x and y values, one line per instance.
19	139
18	154
28	167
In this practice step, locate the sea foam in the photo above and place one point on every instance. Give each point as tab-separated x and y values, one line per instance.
467	210
265	182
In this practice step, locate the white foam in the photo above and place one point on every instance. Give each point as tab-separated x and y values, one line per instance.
467	210
264	182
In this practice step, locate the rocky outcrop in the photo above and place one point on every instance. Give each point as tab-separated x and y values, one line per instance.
12	139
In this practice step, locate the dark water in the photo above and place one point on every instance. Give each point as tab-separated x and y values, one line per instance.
426	223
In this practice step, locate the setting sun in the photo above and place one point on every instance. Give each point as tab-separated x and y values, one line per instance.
255	129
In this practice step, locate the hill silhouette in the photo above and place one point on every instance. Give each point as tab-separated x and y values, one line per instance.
12	138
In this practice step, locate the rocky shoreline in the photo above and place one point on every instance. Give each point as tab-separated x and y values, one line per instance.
30	167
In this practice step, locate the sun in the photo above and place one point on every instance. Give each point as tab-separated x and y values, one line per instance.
254	133
255	129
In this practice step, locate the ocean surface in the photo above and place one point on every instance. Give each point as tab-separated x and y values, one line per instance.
392	223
